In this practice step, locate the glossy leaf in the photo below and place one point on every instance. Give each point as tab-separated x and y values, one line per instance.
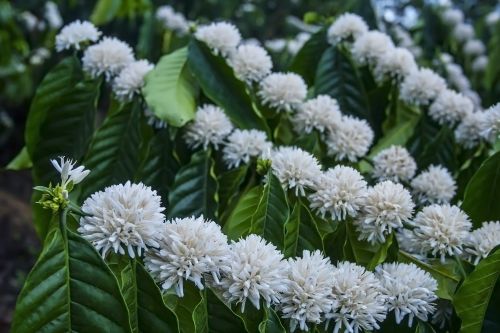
61	118
483	192
301	232
306	60
113	156
70	289
272	212
338	77
105	10
218	82
472	298
159	165
170	89
195	188
21	161
190	310
229	186
239	222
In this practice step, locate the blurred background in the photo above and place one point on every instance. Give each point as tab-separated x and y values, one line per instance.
28	28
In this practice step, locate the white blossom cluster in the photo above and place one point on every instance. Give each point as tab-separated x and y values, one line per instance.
110	57
464	33
172	20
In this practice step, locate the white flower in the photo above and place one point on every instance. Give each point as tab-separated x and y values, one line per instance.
319	113
481	241
221	37
52	15
350	140
75	33
29	20
275	45
468	132
251	63
452	16
394	163
474	47
125	218
191	249
385	207
463	32
257	270
492	18
39	56
474	97
441	230
283	91
480	63
295	168
107	57
69	174
446	58
450	107
395	65
421	87
491	123
408	242
210	126
131	79
339	192
172	20
359	304
242	145
434	185
309	287
371	47
408	289
346	27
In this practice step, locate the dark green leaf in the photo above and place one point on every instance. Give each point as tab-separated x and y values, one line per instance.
301	232
481	199
271	323
195	188
472	298
272	213
381	253
152	313
218	82
70	289
221	319
229	186
190	309
61	118
113	156
338	77
239	222
170	90
306	60
159	166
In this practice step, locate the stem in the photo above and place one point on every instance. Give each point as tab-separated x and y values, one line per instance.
62	222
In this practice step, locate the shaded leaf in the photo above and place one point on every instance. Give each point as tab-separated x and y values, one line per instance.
239	222
301	232
306	60
21	161
195	188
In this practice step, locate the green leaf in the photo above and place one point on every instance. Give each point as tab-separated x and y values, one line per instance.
61	118
472	298
221	317
381	253
306	60
170	90
445	274
301	232
104	11
239	222
483	191
194	191
357	250
272	212
229	186
70	289
21	161
159	165
338	77
152	313
190	310
271	323
113	156
218	82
